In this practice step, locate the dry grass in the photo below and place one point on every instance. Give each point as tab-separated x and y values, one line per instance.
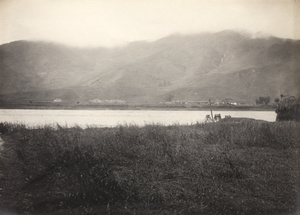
244	167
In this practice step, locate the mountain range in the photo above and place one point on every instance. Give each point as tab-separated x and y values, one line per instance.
195	67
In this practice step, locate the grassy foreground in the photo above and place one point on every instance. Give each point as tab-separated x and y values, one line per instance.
245	167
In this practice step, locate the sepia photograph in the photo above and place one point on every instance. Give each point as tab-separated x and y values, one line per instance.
139	107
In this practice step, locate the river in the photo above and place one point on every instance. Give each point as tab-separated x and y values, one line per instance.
111	118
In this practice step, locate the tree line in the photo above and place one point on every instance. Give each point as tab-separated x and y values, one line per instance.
263	100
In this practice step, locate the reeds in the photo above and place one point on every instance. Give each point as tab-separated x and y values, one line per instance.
247	167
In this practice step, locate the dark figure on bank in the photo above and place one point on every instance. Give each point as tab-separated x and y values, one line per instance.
217	117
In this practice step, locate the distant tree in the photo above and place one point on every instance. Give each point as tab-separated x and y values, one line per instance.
169	97
263	100
276	100
267	100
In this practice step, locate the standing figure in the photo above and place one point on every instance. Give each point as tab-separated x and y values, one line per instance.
208	118
217	117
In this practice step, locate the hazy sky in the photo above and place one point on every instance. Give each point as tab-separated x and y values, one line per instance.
116	22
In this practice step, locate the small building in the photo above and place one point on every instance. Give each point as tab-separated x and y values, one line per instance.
57	100
220	102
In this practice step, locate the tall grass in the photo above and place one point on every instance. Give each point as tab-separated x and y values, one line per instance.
247	167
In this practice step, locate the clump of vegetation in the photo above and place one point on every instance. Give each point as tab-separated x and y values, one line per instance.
288	109
244	167
263	100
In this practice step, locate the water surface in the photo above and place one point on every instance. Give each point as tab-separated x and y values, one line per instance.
110	118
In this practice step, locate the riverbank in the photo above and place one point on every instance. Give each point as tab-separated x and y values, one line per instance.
230	167
141	107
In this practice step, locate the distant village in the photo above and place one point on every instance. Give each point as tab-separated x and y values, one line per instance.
108	101
206	103
192	103
99	101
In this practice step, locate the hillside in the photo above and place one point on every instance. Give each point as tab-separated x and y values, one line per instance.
184	67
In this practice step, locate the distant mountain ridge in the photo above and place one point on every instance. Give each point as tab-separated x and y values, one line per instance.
187	67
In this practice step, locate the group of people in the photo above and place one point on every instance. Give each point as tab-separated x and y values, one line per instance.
216	118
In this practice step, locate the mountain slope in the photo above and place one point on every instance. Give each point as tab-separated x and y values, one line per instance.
188	67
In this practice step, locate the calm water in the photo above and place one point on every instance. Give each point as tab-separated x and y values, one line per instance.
108	118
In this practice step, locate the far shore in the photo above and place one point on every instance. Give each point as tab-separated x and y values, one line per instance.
141	107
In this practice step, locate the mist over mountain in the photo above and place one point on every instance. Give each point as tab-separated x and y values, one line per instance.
186	67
